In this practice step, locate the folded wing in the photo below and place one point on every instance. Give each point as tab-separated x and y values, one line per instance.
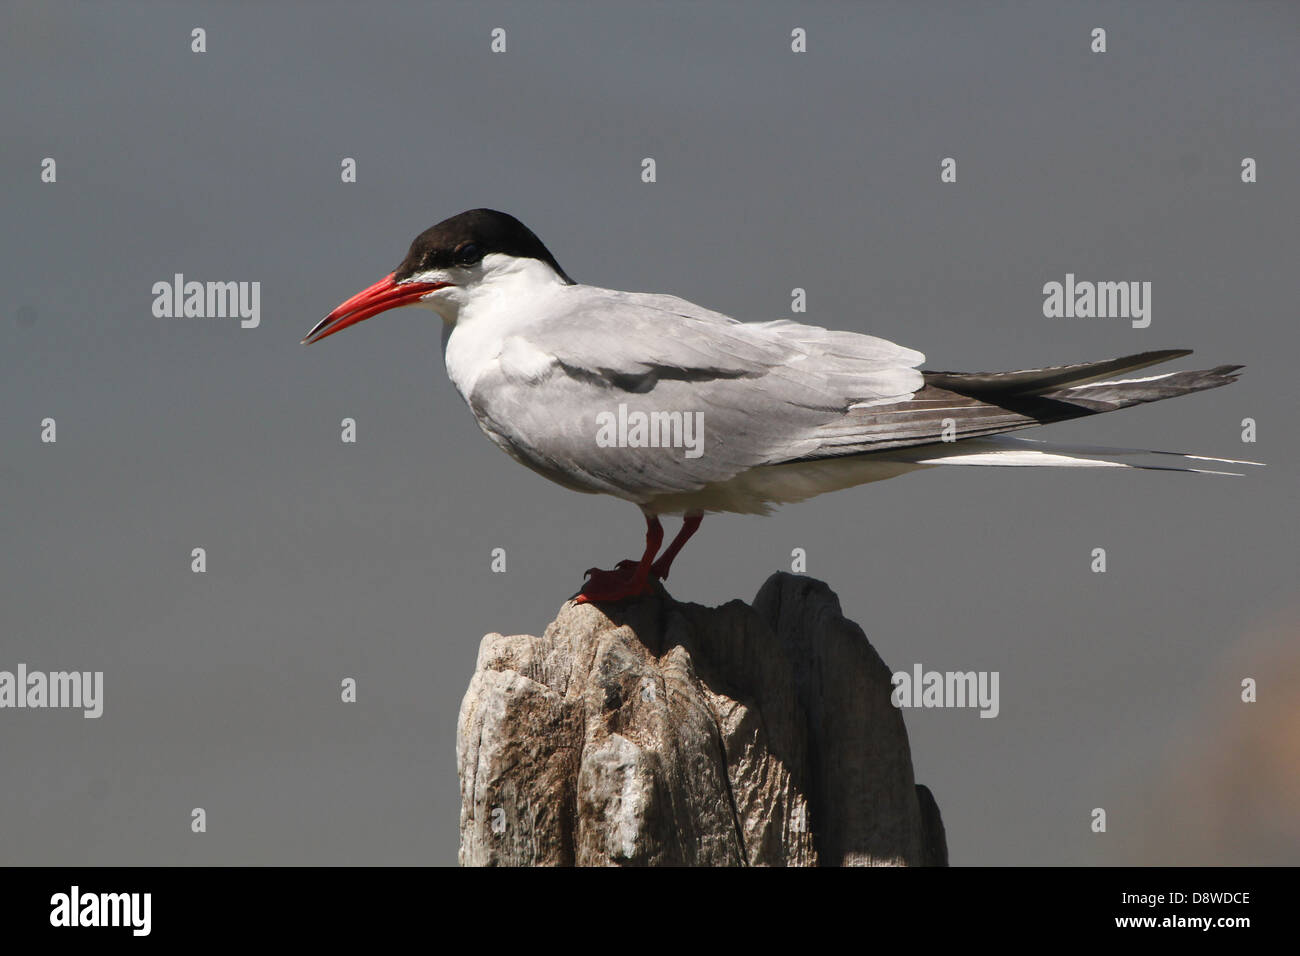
741	396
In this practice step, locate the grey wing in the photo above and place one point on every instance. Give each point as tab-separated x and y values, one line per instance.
716	397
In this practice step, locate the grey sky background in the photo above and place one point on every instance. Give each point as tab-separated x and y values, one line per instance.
775	170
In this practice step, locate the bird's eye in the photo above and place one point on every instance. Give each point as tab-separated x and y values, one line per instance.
468	253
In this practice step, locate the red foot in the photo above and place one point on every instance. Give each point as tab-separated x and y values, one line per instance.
623	582
633	578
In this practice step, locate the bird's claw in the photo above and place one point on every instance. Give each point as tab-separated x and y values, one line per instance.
621	583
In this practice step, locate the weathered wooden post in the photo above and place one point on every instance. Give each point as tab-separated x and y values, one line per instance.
663	733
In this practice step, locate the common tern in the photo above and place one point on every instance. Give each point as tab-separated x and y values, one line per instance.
685	411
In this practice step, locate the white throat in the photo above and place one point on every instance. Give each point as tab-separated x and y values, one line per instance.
489	286
506	295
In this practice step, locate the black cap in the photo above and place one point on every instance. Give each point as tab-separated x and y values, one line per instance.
466	238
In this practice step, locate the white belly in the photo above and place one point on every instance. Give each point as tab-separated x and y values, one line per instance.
761	490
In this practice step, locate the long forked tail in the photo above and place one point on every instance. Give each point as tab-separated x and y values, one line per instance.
982	406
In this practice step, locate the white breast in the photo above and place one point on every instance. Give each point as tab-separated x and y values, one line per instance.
513	294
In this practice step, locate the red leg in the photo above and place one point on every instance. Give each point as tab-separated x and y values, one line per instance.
690	524
630	578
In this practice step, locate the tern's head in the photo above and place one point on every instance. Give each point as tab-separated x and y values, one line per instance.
446	266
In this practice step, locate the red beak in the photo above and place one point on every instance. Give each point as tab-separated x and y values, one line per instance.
383	295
